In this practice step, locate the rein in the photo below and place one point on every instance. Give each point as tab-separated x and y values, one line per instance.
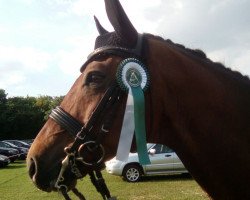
87	144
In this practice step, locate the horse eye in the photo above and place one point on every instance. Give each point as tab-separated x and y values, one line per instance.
95	78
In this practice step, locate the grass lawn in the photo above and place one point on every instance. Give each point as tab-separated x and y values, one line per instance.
16	185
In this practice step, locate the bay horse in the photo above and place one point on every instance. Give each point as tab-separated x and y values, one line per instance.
199	108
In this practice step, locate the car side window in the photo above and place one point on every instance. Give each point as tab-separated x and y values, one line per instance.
159	148
166	149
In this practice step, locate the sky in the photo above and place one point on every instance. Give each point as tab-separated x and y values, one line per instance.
43	43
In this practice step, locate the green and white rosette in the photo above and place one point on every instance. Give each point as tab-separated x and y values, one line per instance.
132	76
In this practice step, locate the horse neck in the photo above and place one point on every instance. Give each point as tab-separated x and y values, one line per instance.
189	94
202	111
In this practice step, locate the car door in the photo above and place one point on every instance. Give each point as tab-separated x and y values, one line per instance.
177	163
161	159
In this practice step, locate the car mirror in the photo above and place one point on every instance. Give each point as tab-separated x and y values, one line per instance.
152	151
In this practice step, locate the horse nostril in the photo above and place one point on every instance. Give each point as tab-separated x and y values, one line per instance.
32	168
38	178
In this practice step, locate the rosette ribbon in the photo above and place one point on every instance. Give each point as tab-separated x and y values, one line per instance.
133	78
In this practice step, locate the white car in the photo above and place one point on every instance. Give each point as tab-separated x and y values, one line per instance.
164	161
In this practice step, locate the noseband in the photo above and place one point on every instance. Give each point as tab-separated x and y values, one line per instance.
87	149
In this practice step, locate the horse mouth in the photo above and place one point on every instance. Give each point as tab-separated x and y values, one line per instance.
47	185
46	179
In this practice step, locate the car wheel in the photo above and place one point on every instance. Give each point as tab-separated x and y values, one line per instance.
132	173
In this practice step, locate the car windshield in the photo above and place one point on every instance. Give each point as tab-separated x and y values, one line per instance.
2	144
10	144
16	143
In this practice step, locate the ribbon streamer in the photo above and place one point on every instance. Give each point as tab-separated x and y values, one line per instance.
140	130
127	132
132	76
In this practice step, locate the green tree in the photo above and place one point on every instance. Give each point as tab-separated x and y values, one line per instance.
47	103
3	96
23	117
3	100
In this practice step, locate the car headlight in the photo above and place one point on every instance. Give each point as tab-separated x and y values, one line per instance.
113	163
1	158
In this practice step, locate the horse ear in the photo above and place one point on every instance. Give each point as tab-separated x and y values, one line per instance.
120	21
99	27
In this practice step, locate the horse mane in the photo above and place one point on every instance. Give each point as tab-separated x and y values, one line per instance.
199	54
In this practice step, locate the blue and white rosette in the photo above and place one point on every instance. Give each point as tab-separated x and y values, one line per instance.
133	77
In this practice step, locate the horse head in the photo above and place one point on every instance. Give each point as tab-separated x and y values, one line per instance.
81	107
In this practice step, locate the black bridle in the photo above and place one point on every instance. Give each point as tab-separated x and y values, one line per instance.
87	144
87	149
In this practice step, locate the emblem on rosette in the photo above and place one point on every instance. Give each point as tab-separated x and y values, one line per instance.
132	73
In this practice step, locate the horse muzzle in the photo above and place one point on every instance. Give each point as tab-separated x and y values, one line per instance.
45	180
